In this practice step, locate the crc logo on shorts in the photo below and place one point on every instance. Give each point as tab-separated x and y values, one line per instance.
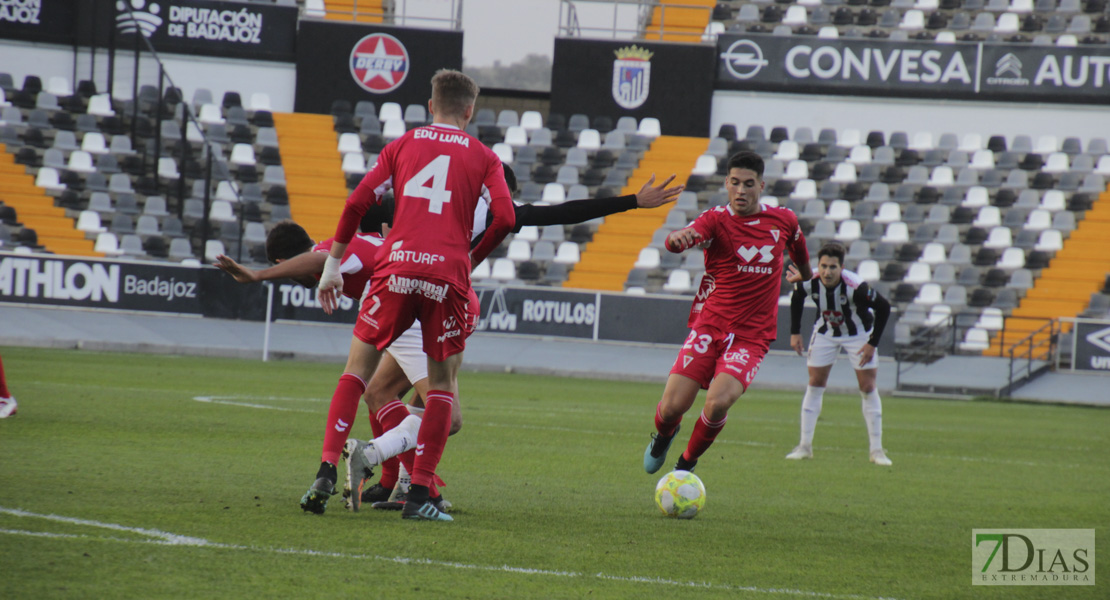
744	59
379	63
740	356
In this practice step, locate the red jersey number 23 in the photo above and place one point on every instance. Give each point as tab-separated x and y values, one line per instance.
437	192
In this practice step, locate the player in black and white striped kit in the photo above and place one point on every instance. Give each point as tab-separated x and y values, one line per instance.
850	315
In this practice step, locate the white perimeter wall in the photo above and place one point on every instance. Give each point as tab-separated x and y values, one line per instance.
188	72
889	114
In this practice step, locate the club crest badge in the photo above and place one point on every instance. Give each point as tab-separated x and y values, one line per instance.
631	76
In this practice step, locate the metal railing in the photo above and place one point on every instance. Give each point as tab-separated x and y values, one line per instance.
1029	356
396	12
629	19
1025	355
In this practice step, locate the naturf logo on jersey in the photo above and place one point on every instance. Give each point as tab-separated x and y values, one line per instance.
379	63
631	76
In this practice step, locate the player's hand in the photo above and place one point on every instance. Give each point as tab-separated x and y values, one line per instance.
866	354
651	196
236	270
796	343
792	274
331	285
682	239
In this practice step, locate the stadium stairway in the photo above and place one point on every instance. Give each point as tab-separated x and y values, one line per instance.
56	232
680	20
313	175
369	11
607	259
1065	287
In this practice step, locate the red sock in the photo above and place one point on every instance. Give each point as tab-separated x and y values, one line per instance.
389	467
3	384
705	431
341	414
432	436
665	428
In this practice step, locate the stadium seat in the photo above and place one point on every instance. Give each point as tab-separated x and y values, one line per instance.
89	222
503	269
1050	241
929	294
649	258
679	281
568	253
975	340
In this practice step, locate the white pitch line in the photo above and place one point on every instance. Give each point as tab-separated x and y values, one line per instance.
163	538
221	400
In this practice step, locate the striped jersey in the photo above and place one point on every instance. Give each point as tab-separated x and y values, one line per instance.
849	308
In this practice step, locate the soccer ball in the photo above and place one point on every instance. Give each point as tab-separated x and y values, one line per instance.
680	494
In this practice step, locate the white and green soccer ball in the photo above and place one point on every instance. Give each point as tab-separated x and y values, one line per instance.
680	494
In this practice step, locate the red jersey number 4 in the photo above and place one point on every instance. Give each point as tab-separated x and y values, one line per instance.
437	193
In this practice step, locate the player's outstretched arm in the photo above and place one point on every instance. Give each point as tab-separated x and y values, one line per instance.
651	196
306	264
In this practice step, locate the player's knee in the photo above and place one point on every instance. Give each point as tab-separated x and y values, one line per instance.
867	387
374	399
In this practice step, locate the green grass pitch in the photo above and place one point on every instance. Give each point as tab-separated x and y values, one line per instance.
117	482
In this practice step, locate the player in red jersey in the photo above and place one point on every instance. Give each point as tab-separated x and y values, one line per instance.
733	318
8	405
439	174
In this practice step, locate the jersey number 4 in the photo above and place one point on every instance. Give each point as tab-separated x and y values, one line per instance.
437	192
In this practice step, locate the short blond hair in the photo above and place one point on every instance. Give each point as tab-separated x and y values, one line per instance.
453	92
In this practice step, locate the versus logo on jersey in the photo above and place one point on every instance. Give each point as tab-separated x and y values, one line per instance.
749	252
631	76
379	63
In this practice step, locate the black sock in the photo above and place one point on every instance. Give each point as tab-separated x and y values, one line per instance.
661	442
685	465
327	471
418	494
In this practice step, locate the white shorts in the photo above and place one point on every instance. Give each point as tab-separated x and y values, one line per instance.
823	350
408	351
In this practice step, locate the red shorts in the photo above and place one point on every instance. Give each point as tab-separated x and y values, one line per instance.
393	302
708	352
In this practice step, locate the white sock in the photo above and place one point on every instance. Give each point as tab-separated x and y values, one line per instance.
811	409
395	441
873	416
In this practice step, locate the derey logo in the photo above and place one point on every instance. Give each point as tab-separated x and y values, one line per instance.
379	63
